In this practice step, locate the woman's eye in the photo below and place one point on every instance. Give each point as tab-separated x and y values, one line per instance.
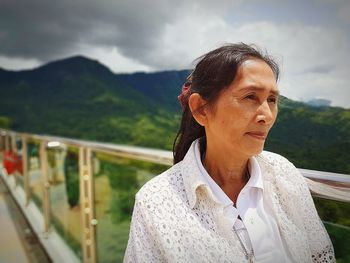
272	99
250	97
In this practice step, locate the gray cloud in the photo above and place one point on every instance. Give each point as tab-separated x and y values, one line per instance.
45	29
322	69
166	34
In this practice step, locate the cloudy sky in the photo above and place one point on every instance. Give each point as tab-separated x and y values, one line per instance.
310	39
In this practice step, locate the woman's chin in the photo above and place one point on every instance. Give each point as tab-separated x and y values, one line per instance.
256	150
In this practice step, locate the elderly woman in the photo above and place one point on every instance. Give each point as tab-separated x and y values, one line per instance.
225	199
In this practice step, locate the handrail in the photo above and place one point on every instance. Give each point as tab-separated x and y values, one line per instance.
134	152
329	185
326	176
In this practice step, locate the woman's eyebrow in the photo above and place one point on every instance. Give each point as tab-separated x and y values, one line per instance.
275	92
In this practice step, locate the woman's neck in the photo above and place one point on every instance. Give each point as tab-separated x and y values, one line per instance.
229	171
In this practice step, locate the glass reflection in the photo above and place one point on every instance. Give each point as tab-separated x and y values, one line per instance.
17	158
335	216
116	182
63	172
34	173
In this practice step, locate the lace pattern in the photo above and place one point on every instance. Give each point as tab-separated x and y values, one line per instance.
175	220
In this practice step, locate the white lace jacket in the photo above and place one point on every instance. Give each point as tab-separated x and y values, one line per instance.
176	219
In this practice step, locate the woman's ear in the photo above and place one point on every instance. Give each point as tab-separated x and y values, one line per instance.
198	108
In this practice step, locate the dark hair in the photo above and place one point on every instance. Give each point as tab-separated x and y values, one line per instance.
213	72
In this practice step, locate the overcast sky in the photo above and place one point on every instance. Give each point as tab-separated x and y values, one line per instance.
310	39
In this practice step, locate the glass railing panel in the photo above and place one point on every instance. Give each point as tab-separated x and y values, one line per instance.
335	216
34	173
116	181
63	173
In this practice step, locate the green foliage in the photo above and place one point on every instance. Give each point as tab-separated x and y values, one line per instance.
312	138
122	205
153	168
5	122
155	132
80	98
51	158
333	211
33	150
124	183
71	173
120	177
336	217
340	239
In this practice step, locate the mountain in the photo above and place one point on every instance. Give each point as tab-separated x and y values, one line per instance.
319	102
80	98
162	87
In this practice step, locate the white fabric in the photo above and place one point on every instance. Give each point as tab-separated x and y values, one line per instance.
177	218
258	229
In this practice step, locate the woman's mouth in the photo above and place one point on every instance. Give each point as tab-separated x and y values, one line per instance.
257	135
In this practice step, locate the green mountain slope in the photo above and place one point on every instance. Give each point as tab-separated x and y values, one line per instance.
80	98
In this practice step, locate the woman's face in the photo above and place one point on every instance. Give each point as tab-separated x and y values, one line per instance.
243	114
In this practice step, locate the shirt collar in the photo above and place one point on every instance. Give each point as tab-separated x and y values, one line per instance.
255	179
195	176
218	194
192	177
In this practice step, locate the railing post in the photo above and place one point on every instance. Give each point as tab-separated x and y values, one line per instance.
13	143
87	205
46	185
2	143
7	142
14	153
25	168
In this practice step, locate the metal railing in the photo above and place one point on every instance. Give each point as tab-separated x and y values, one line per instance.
326	185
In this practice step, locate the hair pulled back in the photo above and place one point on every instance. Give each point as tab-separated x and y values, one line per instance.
213	72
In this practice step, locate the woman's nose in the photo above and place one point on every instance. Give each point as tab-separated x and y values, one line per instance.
265	113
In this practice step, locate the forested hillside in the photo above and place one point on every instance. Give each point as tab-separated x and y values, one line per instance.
80	98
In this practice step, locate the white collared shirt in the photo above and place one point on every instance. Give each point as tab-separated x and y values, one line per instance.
258	228
177	217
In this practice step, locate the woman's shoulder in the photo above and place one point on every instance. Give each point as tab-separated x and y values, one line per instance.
273	158
275	161
279	166
165	184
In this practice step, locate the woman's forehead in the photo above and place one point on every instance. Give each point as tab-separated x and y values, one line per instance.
253	66
255	74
